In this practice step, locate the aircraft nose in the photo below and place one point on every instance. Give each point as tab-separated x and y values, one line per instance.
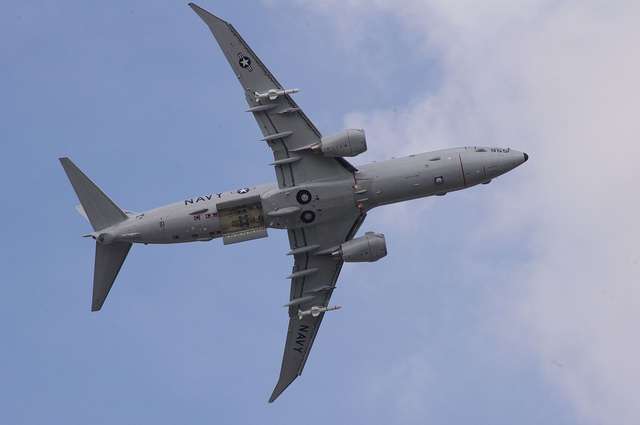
514	159
504	162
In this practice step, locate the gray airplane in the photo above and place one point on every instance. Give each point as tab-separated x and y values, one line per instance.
320	199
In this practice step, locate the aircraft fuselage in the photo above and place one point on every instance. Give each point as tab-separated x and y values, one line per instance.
245	213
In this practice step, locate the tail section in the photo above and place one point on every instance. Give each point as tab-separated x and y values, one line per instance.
101	211
109	259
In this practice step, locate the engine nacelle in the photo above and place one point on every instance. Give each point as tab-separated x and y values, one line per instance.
368	248
346	143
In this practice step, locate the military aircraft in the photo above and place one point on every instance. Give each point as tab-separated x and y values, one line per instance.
320	198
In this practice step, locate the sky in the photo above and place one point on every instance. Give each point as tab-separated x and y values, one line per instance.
514	302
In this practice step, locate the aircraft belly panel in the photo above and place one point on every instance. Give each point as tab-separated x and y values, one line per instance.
241	218
308	205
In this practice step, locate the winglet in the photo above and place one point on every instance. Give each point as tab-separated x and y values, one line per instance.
279	389
204	14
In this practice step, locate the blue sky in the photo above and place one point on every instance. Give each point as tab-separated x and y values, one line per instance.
140	97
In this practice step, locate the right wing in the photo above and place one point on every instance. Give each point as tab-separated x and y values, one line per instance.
310	290
285	127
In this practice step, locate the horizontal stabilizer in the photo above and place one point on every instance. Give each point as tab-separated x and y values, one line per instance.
109	259
82	212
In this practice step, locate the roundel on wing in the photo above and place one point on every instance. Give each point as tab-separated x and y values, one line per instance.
244	61
303	196
307	216
243	190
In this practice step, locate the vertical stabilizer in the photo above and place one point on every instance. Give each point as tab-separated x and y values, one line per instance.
109	259
101	211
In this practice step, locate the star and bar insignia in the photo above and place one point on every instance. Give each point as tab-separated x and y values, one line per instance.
245	62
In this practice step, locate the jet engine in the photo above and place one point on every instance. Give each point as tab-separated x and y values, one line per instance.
368	248
346	143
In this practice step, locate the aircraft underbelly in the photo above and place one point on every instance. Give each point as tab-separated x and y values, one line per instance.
410	177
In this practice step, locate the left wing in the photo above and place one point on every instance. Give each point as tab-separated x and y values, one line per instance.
313	279
285	127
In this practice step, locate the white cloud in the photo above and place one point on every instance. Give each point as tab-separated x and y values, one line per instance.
559	80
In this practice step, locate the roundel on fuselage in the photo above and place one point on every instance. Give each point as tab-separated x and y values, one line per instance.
303	196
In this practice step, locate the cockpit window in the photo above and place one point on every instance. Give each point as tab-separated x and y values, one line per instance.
481	150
